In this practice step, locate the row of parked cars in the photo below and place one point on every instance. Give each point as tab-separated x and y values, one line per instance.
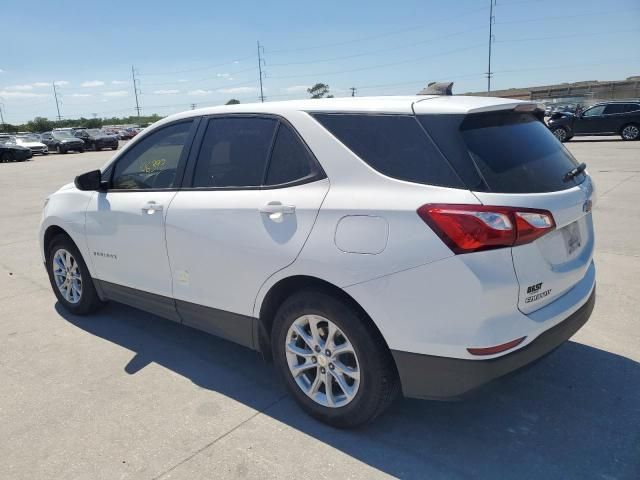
20	147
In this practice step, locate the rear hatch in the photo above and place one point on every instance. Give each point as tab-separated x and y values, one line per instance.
510	158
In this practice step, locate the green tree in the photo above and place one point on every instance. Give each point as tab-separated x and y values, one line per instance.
233	101
40	124
319	90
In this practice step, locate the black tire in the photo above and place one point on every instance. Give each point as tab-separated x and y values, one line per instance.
6	157
81	150
561	134
61	149
630	132
89	301
379	384
114	148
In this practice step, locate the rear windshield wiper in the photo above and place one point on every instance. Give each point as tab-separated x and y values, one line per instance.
574	172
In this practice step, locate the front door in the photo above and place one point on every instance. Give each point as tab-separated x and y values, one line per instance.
591	121
125	224
254	197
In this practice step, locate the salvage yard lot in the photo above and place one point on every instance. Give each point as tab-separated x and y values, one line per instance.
124	394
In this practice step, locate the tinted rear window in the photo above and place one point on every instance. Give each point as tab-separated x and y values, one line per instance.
513	152
394	145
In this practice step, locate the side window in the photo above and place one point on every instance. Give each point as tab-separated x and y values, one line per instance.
234	152
632	107
290	159
594	112
614	108
153	161
394	145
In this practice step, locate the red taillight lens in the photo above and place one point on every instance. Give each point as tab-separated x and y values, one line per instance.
471	228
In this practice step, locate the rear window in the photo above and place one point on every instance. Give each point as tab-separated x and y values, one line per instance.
394	145
512	152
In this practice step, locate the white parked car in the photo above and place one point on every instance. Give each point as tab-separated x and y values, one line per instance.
33	143
423	244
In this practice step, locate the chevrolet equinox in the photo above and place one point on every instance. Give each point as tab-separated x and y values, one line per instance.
369	247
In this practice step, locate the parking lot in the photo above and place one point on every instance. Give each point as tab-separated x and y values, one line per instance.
124	394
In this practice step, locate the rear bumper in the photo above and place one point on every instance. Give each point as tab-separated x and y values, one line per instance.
433	377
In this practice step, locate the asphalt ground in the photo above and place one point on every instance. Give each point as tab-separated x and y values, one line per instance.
124	394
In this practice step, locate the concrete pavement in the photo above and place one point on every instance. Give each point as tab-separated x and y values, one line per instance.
124	394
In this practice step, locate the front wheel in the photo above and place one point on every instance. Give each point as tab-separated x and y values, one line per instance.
69	276
630	132
61	149
561	134
334	364
6	157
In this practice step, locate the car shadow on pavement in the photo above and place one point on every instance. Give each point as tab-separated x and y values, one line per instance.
573	415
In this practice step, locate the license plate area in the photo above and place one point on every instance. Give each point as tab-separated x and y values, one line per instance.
572	238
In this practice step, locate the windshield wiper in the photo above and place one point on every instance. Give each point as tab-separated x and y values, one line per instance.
574	172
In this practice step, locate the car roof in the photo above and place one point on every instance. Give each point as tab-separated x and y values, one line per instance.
436	104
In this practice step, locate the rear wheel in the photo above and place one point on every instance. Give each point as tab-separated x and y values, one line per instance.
69	277
561	134
333	363
630	132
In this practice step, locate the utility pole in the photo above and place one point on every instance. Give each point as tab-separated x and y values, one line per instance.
55	94
2	117
193	106
353	91
492	19
135	90
260	60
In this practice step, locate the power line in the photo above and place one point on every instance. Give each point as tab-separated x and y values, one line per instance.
380	50
373	67
55	94
260	70
530	39
175	82
373	37
237	60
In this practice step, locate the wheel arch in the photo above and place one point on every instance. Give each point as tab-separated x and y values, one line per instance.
288	286
50	233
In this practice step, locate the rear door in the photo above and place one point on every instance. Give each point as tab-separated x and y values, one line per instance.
614	116
255	191
521	164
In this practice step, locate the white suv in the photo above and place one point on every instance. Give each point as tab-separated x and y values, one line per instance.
426	244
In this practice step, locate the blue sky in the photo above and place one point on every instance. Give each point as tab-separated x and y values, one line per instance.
205	52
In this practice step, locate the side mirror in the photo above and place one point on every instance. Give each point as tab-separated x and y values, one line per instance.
89	181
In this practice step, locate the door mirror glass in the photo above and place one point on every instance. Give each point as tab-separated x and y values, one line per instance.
89	181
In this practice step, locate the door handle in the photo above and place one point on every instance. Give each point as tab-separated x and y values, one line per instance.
152	207
276	210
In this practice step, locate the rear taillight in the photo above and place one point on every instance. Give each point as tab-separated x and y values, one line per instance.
471	228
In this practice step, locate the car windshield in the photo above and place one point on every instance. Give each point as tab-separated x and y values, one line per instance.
95	131
62	135
28	138
7	139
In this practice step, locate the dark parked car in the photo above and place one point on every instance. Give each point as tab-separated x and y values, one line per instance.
62	141
10	152
612	118
97	139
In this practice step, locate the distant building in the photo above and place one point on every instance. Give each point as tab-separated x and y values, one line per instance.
583	92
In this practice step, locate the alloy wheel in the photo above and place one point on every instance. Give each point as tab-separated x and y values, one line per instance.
66	273
560	133
322	361
630	132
